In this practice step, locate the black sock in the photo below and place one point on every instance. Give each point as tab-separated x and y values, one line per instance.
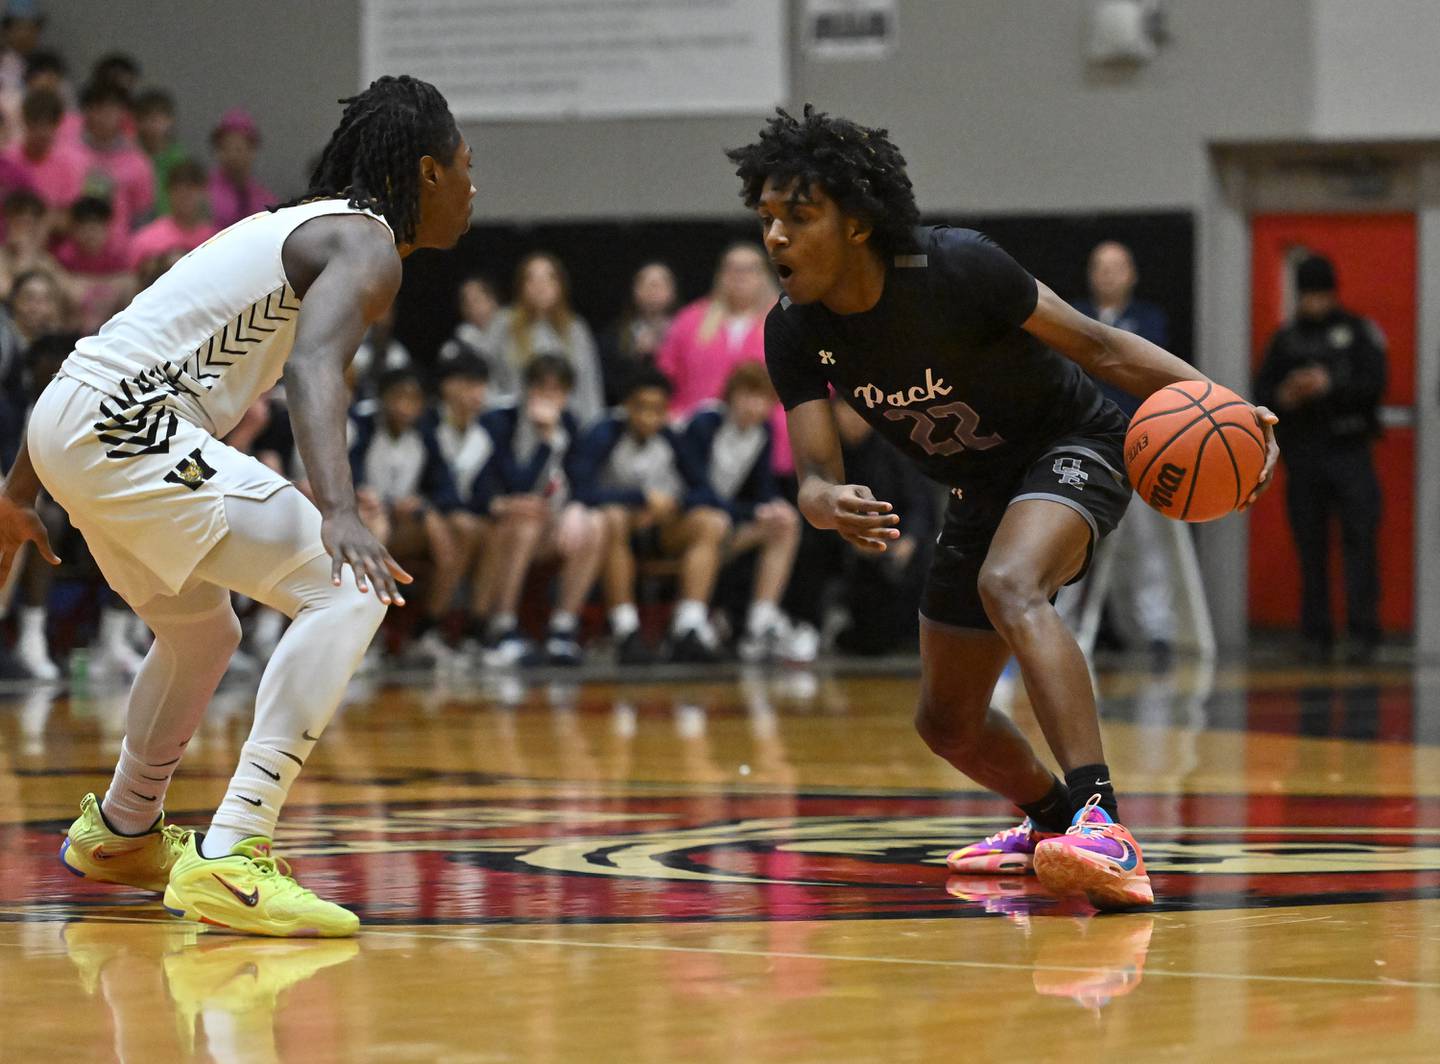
477	628
1089	780
423	624
1053	812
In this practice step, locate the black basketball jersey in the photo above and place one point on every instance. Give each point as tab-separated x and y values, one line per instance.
940	366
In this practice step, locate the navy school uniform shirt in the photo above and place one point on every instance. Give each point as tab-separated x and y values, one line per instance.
742	479
467	454
522	466
397	467
597	482
940	366
1141	318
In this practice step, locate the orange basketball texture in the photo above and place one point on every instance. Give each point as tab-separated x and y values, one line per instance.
1194	451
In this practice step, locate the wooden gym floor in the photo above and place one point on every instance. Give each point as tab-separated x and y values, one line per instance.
750	868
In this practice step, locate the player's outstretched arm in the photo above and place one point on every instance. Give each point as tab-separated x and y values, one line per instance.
1129	362
850	509
347	271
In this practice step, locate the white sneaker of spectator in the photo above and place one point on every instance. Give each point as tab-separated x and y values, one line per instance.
112	657
799	643
431	648
510	650
32	650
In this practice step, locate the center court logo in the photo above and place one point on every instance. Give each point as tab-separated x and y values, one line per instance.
641	857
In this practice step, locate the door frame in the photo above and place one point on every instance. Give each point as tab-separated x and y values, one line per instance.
1334	177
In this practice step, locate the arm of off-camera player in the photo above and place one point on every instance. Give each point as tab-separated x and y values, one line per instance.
1129	362
355	285
820	466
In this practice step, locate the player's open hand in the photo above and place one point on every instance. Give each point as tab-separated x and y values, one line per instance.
862	520
20	525
349	542
1267	419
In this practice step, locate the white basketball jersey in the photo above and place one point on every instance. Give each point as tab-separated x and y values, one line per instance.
202	342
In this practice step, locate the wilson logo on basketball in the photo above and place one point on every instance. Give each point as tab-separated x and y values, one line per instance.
1167	483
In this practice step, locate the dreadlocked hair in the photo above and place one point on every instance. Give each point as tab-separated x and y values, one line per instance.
859	168
373	155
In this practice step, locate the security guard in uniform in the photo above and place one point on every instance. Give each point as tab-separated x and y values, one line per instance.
1324	373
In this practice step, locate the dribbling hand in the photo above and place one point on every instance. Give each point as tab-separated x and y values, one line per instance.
1268	420
349	542
862	520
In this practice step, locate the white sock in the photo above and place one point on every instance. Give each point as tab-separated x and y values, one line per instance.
32	622
502	624
691	615
624	619
762	617
256	793
137	793
115	630
562	622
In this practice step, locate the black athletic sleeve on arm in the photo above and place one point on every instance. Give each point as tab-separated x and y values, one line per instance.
983	279
796	380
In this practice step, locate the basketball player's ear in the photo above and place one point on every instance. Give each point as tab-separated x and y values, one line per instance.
857	230
429	171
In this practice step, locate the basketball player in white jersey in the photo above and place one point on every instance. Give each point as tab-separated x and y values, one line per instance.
127	439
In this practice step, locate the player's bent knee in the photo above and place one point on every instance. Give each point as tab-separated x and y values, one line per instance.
948	730
1008	595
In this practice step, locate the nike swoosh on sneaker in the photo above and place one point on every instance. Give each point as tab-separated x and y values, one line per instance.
252	899
99	854
1128	858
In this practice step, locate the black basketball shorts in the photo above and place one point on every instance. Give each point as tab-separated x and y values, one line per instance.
1085	473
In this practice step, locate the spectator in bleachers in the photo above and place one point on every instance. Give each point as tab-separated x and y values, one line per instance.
24	249
1141	598
36	308
44	69
155	133
714	334
119	69
535	516
732	441
55	170
467	448
633	467
235	192
118	169
379	353
407	496
20	29
188	224
541	320
631	342
102	281
477	336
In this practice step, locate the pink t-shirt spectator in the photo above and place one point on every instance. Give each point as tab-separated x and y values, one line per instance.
76	260
165	234
59	178
698	368
122	175
229	204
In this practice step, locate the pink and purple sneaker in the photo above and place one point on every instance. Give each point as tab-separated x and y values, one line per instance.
1096	857
1008	852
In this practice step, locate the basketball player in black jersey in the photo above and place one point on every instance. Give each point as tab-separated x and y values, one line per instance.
979	374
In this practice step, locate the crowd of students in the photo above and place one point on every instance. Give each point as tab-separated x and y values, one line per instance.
551	487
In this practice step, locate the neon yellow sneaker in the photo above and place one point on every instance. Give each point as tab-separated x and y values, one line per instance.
92	851
251	891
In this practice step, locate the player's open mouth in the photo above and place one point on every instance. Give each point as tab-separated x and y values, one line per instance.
783	271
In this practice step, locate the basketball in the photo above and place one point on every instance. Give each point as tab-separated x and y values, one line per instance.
1194	451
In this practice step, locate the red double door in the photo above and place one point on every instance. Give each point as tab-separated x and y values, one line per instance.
1375	263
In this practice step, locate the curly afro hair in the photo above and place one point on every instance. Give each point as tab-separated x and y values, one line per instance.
859	168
